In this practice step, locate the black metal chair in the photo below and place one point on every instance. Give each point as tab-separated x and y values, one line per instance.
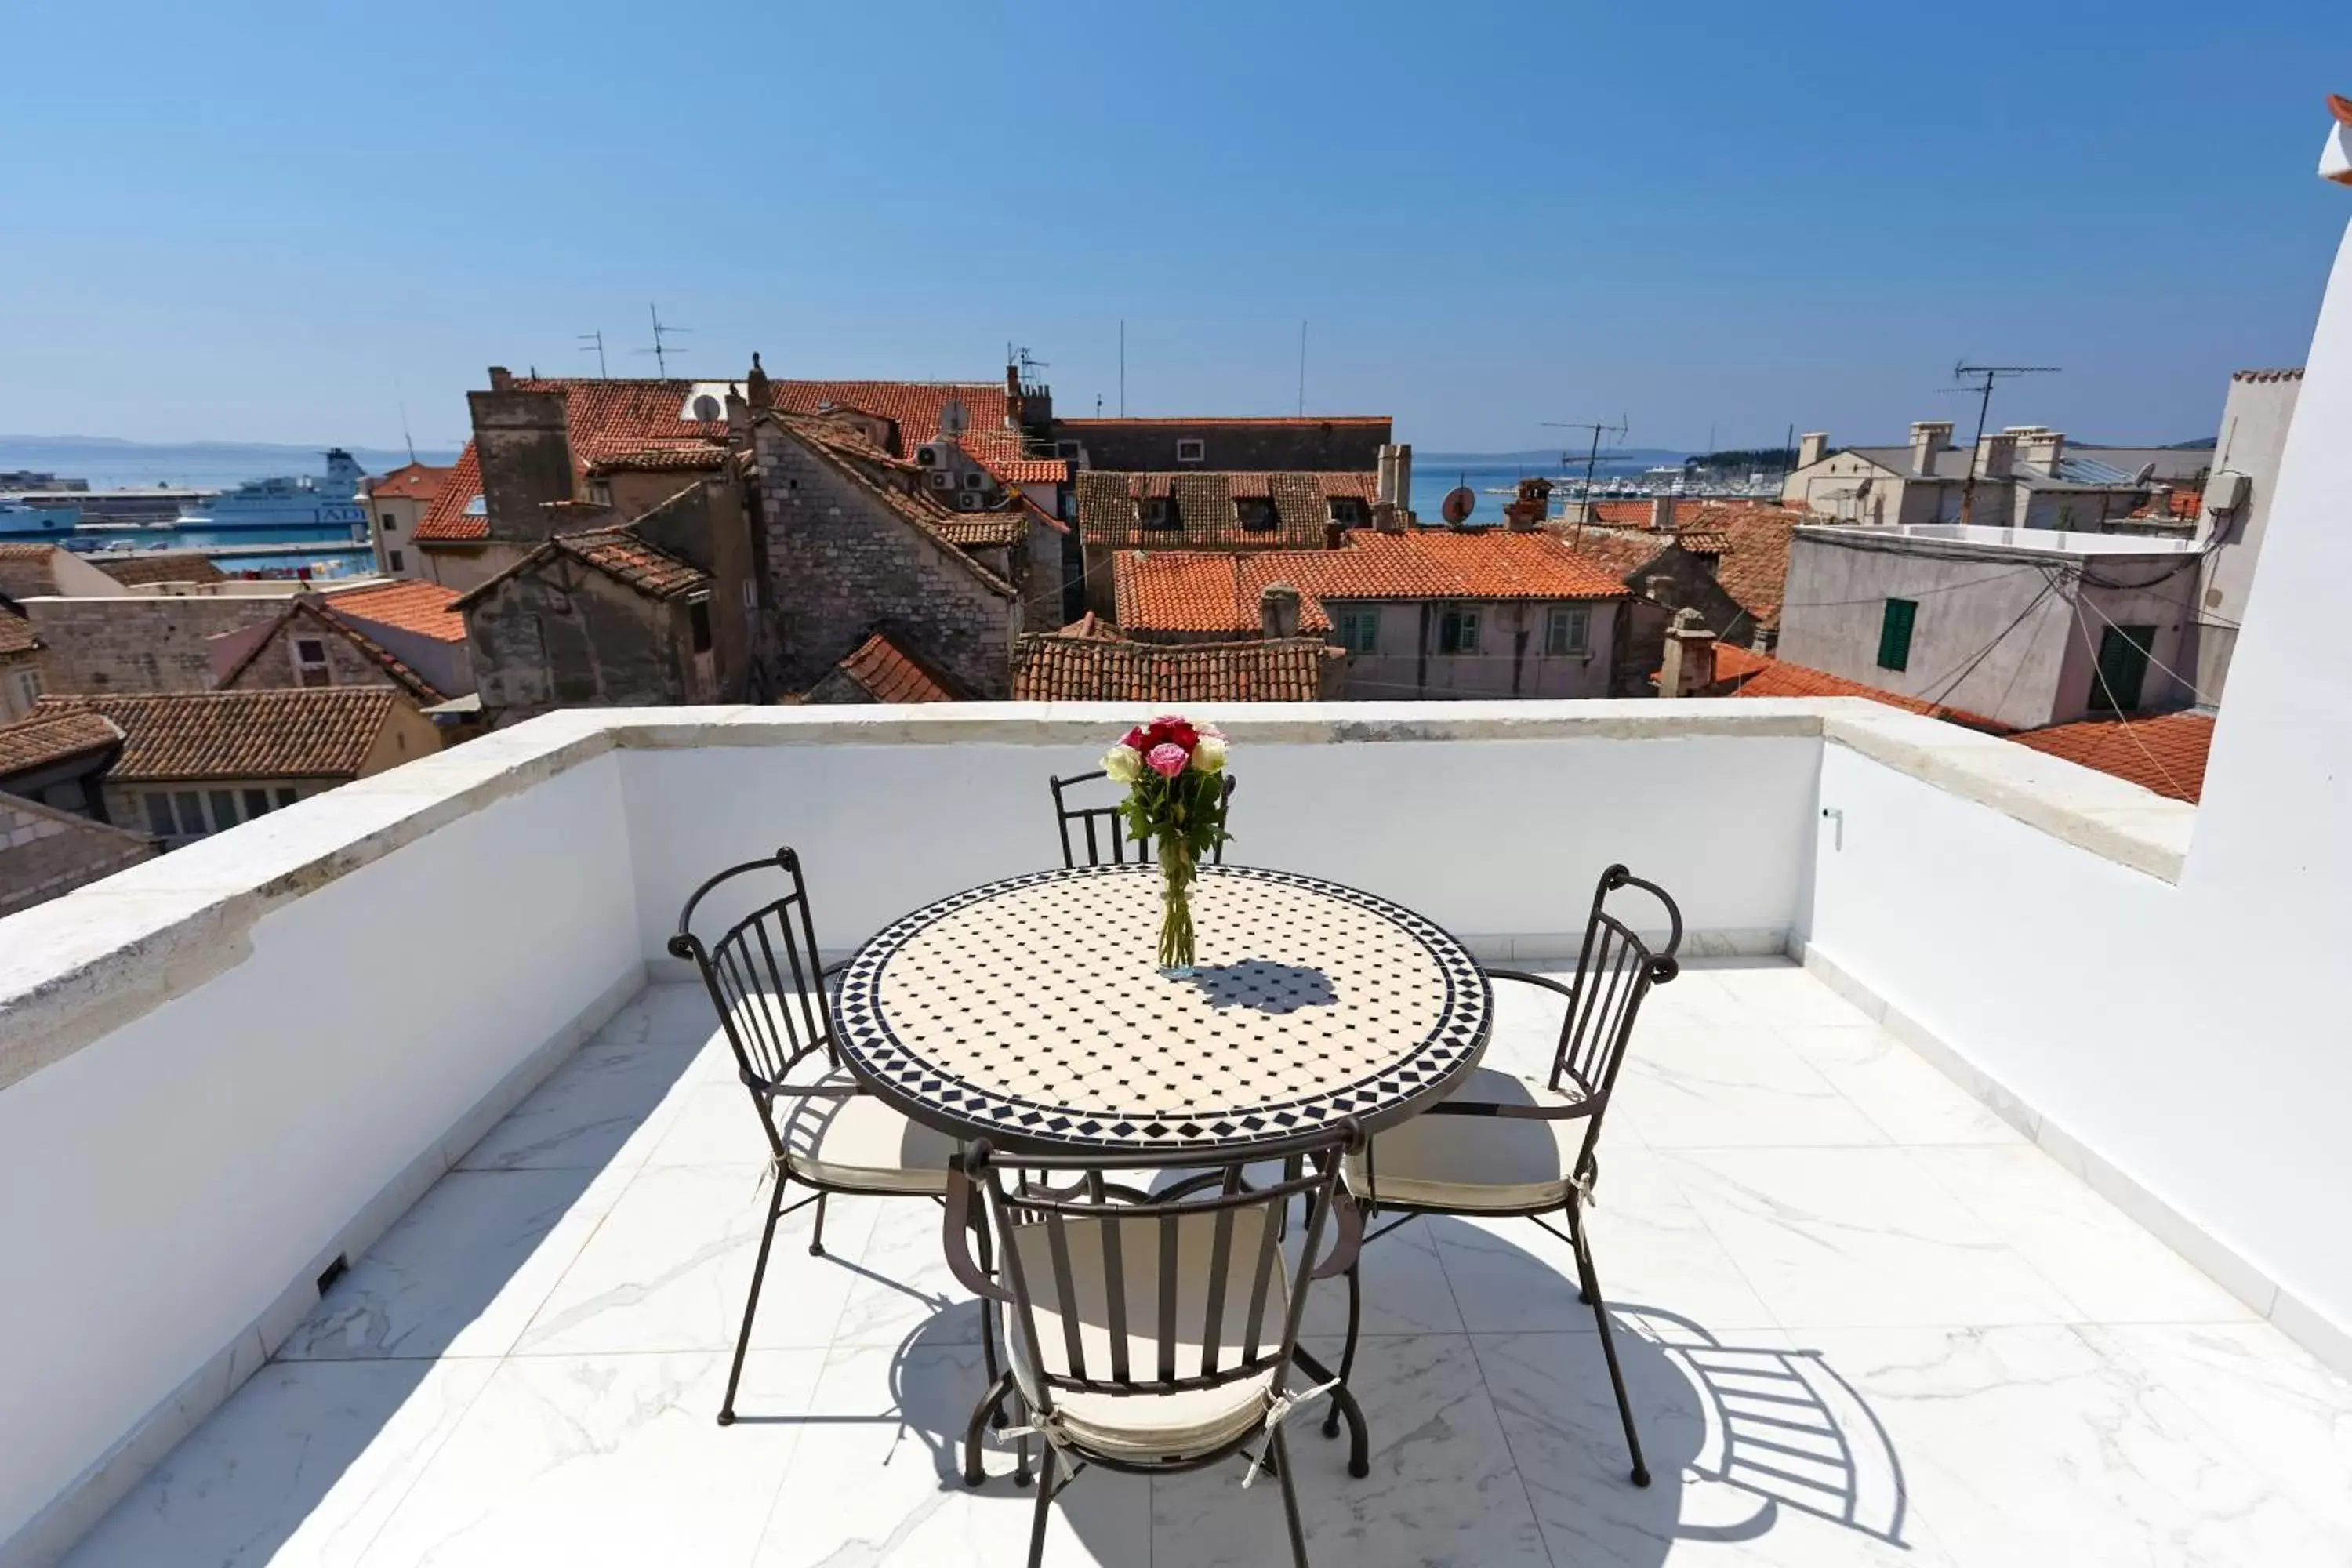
1155	1335
1501	1144
826	1129
1105	822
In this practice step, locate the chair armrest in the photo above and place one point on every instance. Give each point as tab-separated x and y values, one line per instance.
1347	1241
805	1090
1515	1113
1558	987
961	1217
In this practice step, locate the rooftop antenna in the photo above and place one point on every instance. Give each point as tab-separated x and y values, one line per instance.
660	351
1592	459
1968	374
400	399
1026	360
594	341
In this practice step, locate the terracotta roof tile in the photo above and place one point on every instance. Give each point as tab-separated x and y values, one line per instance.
891	674
1618	552
410	481
24	570
448	519
2166	753
2292	372
1759	675
1093	625
1181	591
318	733
165	566
15	633
1209	510
1065	669
52	736
618	552
413	607
704	459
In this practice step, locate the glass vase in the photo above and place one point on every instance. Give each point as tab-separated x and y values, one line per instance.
1175	907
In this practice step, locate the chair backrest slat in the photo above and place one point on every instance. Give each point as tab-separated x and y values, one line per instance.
1615	970
1169	1275
762	971
1066	1290
1115	1266
1113	836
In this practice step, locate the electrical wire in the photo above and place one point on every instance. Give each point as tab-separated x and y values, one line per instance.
2100	675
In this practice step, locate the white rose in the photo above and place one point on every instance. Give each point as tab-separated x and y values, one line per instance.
1209	754
1122	764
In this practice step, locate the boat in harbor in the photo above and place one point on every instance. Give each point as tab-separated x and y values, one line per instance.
328	504
21	523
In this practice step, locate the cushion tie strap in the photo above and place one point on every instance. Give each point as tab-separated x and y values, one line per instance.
1279	1410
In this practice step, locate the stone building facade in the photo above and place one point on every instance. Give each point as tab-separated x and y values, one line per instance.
45	852
138	642
1315	442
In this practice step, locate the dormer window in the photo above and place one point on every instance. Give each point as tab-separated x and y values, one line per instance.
311	662
1348	511
1191	449
1160	512
1258	515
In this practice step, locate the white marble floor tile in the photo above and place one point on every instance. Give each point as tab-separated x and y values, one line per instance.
1405	1289
670	1267
1709	1086
877	1477
461	1273
902	1285
1698	994
610	1459
607	1105
1442	1490
299	1469
2287	1417
2109	1268
2025	1444
715	1124
1905	1096
1649	1247
1859	1237
1778	991
1756	1454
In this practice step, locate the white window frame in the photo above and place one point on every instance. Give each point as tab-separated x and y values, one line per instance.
1576	622
302	667
28	688
1191	449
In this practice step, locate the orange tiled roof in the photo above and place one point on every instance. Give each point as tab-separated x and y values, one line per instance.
2165	752
1759	675
447	520
410	481
1064	669
166	566
321	732
52	736
1092	625
24	570
891	674
704	459
15	633
413	606
618	552
1024	470
1184	590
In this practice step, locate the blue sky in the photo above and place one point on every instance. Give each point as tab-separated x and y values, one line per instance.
274	222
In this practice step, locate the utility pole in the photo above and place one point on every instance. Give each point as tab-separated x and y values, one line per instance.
1966	373
594	341
1591	457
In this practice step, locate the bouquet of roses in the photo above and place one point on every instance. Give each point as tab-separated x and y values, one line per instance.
1175	777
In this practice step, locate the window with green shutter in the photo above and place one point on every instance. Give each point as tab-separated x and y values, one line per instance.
2122	669
1894	634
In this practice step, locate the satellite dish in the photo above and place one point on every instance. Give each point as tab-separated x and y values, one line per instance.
1460	502
2146	472
955	419
708	408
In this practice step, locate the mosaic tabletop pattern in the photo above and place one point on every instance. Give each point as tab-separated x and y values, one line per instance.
1032	1011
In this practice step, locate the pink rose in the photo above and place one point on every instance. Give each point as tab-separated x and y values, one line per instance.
1167	758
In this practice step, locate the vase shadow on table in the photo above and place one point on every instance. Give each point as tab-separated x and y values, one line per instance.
1262	986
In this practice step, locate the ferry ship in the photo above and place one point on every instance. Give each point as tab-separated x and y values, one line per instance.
328	504
20	523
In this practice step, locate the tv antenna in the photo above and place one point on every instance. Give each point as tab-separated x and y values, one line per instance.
1591	457
401	398
1980	379
595	342
660	351
1026	360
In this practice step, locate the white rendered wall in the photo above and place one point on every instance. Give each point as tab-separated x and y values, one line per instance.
162	1187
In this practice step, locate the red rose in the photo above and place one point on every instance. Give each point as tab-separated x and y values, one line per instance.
1138	739
1173	731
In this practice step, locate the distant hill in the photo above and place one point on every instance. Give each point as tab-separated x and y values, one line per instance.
109	462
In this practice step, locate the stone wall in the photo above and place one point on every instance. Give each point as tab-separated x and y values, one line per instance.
274	666
1251	446
841	562
137	643
45	852
566	636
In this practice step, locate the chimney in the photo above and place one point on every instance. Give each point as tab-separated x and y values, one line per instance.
756	390
1277	611
1929	437
1404	479
1384	487
501	379
1811	447
1527	514
1335	535
1661	513
1012	402
1996	455
1388	518
524	448
2041	446
1689	662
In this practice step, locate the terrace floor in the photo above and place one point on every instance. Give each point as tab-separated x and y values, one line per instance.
1873	1325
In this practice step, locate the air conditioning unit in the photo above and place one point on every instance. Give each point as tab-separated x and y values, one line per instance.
975	481
942	479
967	501
927	454
2226	492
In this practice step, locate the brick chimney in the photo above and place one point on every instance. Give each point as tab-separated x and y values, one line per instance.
1527	514
1661	513
525	451
501	379
1996	455
1388	518
1277	611
1013	399
1689	662
1929	437
1811	447
1384	487
2040	446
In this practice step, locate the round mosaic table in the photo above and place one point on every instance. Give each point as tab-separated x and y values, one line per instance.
1031	1011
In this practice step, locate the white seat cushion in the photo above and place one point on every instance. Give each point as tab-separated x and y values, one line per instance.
1476	1164
1145	1426
858	1141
